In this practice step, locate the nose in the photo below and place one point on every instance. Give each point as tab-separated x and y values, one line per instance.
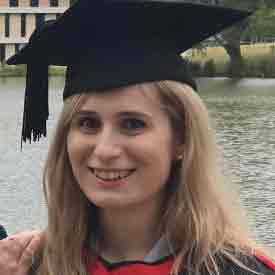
107	146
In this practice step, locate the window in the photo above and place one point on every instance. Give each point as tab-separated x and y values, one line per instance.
34	3
23	25
7	25
39	20
13	3
53	3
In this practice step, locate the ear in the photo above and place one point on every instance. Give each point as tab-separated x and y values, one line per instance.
179	152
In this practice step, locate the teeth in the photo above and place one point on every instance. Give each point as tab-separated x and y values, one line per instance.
112	175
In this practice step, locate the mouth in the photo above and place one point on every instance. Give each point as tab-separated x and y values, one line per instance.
111	175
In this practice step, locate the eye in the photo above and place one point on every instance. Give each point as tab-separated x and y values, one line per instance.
133	125
88	124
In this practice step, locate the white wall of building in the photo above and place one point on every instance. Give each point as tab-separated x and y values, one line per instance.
4	3
2	26
15	28
10	50
23	3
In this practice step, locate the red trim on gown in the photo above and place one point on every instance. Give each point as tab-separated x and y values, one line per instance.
269	263
139	268
161	267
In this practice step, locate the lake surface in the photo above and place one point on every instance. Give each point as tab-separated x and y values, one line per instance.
242	113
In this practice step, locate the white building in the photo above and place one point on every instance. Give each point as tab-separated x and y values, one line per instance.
18	19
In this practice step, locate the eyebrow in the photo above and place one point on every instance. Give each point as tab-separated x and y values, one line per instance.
120	114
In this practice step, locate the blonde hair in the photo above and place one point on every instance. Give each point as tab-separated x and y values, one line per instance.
196	219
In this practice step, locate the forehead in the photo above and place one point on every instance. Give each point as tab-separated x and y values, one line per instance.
139	98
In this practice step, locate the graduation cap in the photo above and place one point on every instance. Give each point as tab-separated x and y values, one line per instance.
112	43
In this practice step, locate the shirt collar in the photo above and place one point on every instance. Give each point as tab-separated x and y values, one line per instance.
161	249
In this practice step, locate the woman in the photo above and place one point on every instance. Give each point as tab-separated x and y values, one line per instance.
121	220
131	181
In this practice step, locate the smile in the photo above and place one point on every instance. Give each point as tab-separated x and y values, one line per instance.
112	175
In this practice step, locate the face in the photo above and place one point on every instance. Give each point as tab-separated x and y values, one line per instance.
120	147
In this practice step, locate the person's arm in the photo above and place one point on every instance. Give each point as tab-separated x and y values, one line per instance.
16	252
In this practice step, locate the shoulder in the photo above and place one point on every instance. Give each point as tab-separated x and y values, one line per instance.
258	264
265	261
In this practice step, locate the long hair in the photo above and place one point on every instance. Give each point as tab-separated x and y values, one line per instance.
196	219
68	208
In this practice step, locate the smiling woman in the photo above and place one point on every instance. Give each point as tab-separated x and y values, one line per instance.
131	180
171	168
120	137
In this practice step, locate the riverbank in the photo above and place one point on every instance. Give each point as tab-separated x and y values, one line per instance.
259	61
20	70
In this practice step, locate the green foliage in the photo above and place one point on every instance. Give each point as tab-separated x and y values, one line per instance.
210	68
260	67
57	71
20	70
196	68
259	26
243	4
272	50
261	23
72	2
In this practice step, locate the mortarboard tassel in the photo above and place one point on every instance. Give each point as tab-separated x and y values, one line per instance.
36	105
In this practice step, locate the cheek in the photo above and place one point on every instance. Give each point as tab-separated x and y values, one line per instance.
155	150
163	154
76	148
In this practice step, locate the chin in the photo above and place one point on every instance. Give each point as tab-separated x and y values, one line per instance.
107	202
109	205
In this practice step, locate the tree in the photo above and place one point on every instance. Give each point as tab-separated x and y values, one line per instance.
261	23
72	2
231	38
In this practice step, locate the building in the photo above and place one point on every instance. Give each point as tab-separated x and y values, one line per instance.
18	19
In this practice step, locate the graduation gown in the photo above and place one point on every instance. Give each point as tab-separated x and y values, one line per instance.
263	265
159	261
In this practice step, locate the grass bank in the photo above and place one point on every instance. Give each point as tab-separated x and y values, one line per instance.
20	70
259	61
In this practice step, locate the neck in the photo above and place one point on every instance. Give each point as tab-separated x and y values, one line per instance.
128	234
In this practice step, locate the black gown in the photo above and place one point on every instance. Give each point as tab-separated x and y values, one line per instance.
160	259
260	264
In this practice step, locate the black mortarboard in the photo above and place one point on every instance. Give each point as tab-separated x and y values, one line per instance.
111	43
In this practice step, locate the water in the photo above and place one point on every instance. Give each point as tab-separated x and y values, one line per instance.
242	113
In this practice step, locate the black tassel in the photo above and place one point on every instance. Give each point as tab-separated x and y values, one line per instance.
36	106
